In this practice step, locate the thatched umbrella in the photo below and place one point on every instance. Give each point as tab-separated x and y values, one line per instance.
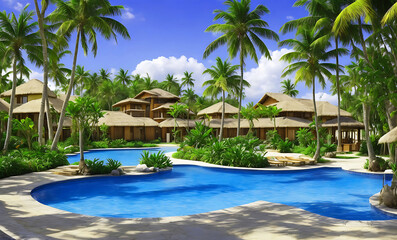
389	137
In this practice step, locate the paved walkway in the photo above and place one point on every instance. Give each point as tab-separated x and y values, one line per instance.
21	217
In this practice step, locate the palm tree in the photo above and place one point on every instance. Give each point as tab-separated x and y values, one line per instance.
242	31
17	34
250	113
308	56
94	81
175	111
148	83
86	18
187	80
391	15
323	13
289	88
123	77
170	82
81	78
222	78
189	98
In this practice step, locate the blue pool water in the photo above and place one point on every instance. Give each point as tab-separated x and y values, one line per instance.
128	157
189	190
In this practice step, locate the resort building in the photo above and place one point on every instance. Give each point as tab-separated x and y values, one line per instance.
215	111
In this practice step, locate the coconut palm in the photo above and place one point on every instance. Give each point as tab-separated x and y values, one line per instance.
86	18
94	81
390	15
187	80
289	88
189	98
123	77
242	31
323	14
148	83
222	79
308	63
175	111
170	82
81	78
18	35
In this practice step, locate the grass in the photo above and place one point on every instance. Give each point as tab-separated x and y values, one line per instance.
322	160
346	157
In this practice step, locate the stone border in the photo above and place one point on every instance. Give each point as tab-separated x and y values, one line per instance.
374	201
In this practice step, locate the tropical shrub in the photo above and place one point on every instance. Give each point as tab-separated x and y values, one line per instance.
328	148
117	143
97	166
18	162
304	137
272	138
27	130
377	147
285	146
157	160
100	144
199	136
104	131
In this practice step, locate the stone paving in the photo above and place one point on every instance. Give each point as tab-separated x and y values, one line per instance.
21	217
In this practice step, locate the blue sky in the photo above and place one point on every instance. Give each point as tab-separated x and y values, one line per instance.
168	37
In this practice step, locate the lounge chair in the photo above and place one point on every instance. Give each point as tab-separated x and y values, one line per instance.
297	159
288	161
308	159
276	162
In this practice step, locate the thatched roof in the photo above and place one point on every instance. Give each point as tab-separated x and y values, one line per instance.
34	106
292	106
4	106
63	97
120	119
281	122
346	122
130	100
158	93
217	108
33	86
324	108
279	97
389	137
289	104
170	122
164	106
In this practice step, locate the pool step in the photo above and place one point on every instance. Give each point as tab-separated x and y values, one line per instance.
69	170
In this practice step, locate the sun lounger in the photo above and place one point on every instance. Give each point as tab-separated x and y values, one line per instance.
288	161
308	160
296	159
276	162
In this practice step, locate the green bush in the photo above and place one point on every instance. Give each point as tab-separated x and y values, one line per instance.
199	136
377	147
100	144
97	166
285	146
304	137
18	162
117	143
328	148
272	139
157	160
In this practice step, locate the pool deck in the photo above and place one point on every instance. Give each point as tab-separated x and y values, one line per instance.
21	217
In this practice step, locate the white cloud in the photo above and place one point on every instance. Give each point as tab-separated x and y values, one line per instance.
127	14
290	18
266	77
113	72
159	68
322	96
18	6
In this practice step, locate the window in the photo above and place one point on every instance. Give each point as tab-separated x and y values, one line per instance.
24	99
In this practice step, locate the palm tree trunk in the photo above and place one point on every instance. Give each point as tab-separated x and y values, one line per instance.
392	122
82	165
241	87
12	103
44	96
317	154
49	120
366	113
54	145
223	116
188	120
339	148
363	43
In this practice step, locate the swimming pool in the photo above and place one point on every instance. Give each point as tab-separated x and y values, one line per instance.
188	189
128	157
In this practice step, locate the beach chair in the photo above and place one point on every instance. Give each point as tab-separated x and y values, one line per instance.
304	161
288	161
308	160
273	161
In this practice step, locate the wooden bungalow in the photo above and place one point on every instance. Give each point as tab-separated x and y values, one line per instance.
167	126
27	92
31	110
124	126
215	111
